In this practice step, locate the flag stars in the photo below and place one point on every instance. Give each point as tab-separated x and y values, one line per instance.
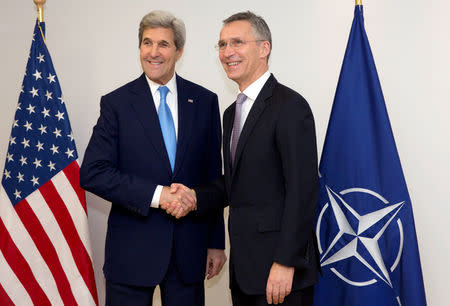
57	133
37	163
54	149
9	157
35	180
17	194
26	143
20	177
48	95
37	75
51	166
43	129
61	99
23	160
27	125
40	58
60	115
12	140
69	153
51	78
21	90
70	136
46	112
31	108
7	174
15	123
40	146
34	92
18	105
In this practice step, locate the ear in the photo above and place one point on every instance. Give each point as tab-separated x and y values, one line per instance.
179	53
264	49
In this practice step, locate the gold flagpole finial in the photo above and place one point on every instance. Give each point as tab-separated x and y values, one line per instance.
358	2
40	9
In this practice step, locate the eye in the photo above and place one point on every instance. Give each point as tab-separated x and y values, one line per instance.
163	44
147	43
237	42
222	44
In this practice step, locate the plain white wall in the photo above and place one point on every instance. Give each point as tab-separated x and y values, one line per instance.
94	48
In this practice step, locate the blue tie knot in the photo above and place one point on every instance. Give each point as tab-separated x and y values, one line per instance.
163	90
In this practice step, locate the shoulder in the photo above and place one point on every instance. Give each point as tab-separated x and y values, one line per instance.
194	89
290	100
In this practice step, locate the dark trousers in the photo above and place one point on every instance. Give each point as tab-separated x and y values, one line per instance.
303	297
173	292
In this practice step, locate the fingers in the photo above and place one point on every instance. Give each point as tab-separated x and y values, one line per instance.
279	283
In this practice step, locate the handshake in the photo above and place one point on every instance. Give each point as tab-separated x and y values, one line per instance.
178	200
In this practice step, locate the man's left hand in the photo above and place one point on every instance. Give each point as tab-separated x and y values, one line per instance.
279	283
214	262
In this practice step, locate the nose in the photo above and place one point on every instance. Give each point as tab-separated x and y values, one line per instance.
228	51
154	51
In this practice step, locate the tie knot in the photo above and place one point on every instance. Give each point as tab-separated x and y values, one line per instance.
163	90
241	98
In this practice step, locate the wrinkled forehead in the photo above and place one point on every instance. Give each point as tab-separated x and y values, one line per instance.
240	29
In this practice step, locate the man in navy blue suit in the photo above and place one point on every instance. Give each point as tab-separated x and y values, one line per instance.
155	130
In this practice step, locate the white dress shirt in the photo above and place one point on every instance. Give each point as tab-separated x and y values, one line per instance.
172	102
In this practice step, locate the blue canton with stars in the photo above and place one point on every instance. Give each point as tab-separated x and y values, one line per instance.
41	142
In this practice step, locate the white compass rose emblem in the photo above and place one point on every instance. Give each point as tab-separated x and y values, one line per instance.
358	236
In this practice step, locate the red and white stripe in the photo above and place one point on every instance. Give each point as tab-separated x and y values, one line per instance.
45	254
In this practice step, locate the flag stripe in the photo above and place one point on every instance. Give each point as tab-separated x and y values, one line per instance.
4	298
21	268
68	195
46	249
12	289
68	229
20	239
43	212
72	171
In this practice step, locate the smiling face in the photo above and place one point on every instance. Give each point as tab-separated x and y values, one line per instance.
246	62
158	54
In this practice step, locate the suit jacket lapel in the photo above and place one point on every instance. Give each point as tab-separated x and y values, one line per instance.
253	116
228	120
144	106
186	114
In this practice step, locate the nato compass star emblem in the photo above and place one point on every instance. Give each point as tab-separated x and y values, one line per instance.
358	238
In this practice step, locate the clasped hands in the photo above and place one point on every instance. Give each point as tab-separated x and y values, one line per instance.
178	200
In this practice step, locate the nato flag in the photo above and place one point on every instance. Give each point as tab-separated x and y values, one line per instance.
365	227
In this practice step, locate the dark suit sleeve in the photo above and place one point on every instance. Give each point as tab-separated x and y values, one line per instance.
99	171
216	223
296	142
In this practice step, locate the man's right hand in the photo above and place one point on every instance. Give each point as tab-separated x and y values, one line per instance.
178	200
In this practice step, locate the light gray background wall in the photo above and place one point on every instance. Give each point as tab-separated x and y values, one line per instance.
93	44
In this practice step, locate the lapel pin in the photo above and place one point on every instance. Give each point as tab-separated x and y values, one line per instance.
190	101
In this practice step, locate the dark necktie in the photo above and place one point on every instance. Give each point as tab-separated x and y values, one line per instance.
237	124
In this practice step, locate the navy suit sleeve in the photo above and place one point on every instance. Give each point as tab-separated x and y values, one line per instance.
216	225
100	173
296	142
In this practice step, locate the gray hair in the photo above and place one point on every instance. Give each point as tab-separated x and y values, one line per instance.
163	19
260	28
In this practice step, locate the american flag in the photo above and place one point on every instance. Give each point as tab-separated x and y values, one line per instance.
45	254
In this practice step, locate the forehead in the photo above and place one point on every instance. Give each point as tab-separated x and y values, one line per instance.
158	34
237	29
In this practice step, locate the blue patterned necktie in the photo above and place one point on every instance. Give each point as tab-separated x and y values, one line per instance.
167	125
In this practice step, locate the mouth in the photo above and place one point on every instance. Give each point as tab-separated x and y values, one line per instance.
232	64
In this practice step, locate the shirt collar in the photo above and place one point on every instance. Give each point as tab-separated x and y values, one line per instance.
172	85
253	90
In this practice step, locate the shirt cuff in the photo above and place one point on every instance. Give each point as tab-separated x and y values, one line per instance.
156	197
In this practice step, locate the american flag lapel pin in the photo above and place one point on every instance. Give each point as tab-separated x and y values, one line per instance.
190	101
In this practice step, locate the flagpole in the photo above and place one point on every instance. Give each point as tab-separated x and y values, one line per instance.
40	9
358	2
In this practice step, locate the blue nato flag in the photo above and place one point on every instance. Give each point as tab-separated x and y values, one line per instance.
365	226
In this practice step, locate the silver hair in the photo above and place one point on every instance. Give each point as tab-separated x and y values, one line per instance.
163	19
260	28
